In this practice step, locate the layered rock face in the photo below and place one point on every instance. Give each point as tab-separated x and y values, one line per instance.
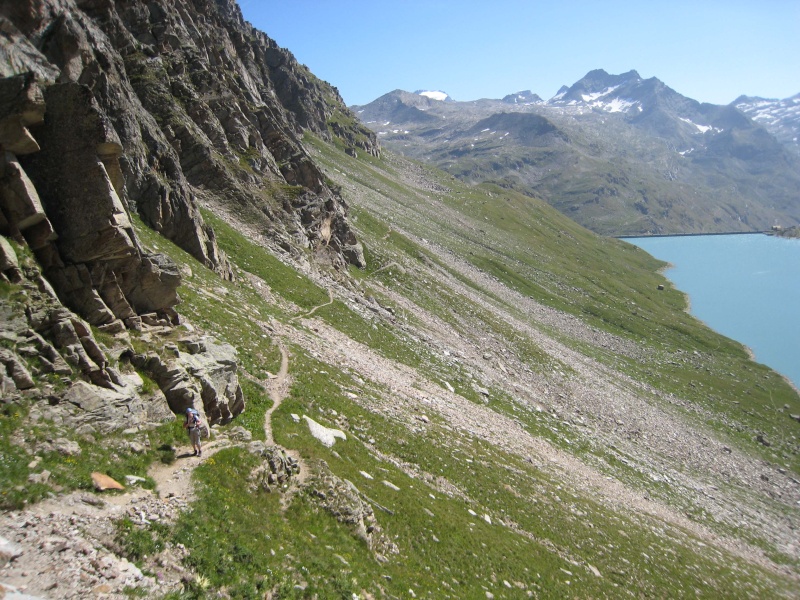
203	106
111	110
81	235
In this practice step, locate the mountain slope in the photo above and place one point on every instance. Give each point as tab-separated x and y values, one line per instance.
780	117
632	156
500	403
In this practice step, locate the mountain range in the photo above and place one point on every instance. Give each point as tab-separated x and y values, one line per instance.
410	386
619	154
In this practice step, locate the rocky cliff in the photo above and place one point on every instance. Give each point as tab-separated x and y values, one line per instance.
111	111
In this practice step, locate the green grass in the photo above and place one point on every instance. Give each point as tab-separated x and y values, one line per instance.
546	535
22	440
609	284
560	525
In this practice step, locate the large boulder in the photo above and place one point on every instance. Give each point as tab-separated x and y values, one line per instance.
203	376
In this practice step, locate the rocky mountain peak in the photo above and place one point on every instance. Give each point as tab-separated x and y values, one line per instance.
524	97
595	123
598	84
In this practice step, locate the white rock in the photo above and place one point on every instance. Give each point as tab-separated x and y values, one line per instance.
324	434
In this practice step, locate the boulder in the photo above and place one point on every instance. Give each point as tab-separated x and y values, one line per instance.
104	410
103	482
8	551
206	376
276	471
15	369
9	265
347	504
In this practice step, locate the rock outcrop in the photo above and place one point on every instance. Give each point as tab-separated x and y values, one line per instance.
113	111
202	376
188	102
343	500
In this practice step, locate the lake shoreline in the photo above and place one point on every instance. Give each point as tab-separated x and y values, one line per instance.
745	286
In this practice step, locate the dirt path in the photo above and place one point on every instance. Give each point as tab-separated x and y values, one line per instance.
316	308
278	390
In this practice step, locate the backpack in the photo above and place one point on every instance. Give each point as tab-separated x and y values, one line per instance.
193	418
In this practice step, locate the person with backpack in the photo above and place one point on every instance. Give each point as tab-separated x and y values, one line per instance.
192	425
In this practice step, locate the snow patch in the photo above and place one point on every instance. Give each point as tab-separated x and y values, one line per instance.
620	105
702	128
441	96
589	98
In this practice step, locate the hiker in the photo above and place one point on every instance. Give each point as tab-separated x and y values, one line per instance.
192	425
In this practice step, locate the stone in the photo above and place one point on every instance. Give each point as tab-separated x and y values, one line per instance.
18	196
103	482
42	477
8	551
324	434
8	257
208	378
104	410
16	370
66	447
21	105
348	505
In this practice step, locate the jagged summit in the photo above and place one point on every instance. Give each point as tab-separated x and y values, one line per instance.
524	97
780	117
614	93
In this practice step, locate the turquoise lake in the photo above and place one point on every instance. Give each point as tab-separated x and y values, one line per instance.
746	287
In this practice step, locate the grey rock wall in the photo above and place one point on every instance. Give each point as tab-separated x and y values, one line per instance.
196	104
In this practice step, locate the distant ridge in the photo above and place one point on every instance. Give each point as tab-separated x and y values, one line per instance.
620	154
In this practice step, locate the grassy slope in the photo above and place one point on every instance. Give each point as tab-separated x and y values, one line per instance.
612	285
563	532
547	537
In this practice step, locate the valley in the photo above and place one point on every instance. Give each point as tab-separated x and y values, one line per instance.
417	383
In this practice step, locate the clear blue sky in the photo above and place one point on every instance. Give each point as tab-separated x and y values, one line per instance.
709	50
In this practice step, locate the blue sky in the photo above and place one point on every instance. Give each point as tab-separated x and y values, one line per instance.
709	50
